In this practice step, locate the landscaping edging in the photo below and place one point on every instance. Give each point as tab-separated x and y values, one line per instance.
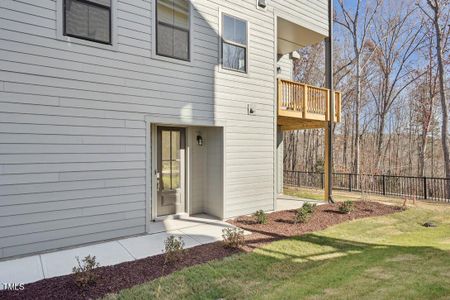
112	279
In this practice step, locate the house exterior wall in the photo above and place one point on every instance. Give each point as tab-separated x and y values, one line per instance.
72	118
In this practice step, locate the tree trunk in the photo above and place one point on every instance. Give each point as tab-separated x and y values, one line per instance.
444	104
356	162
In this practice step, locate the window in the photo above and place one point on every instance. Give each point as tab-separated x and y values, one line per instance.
234	44
172	28
88	19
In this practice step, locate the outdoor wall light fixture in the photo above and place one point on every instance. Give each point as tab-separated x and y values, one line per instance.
262	3
199	140
279	70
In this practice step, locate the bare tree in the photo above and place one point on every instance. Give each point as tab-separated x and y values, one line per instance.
395	40
423	96
439	17
357	23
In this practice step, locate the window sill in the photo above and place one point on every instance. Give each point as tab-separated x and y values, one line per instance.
171	60
231	72
74	40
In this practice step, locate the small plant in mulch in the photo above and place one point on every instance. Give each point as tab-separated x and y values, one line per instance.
346	207
233	237
261	217
173	249
304	213
83	273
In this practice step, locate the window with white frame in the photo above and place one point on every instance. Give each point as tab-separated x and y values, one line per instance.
173	28
234	43
88	20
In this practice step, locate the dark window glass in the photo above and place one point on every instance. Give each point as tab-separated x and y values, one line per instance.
234	44
233	57
88	19
172	28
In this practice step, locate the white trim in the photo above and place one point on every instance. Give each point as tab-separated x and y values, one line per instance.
224	171
275	109
191	38
148	175
73	40
243	17
180	121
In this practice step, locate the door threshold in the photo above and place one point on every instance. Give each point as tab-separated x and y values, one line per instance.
171	217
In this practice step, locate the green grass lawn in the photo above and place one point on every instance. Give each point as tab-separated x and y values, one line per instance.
390	257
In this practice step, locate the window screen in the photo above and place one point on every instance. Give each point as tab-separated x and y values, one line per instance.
88	19
234	44
172	28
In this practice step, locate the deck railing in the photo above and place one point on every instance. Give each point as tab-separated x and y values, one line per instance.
299	100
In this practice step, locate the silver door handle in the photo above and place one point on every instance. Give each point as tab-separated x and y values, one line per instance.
158	181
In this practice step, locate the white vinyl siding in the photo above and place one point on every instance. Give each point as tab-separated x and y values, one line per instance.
72	120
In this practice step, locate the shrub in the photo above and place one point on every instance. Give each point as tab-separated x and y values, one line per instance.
261	217
173	248
233	237
346	207
83	273
304	213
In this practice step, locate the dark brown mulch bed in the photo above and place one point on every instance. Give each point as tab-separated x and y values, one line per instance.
112	279
281	224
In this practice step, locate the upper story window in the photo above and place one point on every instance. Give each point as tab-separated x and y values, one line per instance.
88	19
172	28
234	44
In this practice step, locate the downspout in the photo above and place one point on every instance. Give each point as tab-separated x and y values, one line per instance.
330	86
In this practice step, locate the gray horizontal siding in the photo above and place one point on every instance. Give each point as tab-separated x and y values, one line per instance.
72	130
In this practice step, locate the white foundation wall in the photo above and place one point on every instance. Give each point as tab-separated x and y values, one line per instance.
206	171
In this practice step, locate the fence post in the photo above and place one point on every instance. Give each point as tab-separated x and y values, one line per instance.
425	188
298	178
350	182
322	180
384	185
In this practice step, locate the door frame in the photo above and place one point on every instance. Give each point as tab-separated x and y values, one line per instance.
182	170
151	122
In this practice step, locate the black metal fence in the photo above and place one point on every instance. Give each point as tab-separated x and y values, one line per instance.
428	188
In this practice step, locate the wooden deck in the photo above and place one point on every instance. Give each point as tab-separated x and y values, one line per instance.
301	106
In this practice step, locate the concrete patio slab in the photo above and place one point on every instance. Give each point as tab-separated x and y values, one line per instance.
21	270
61	262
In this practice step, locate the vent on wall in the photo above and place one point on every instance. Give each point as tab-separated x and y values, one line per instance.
262	3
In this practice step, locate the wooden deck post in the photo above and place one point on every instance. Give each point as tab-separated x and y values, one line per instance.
330	107
327	166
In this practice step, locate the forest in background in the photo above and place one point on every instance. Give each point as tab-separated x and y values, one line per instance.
391	61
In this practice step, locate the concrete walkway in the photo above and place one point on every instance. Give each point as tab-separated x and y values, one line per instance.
194	231
285	202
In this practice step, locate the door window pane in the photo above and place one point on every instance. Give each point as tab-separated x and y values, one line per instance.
88	20
173	18
170	159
